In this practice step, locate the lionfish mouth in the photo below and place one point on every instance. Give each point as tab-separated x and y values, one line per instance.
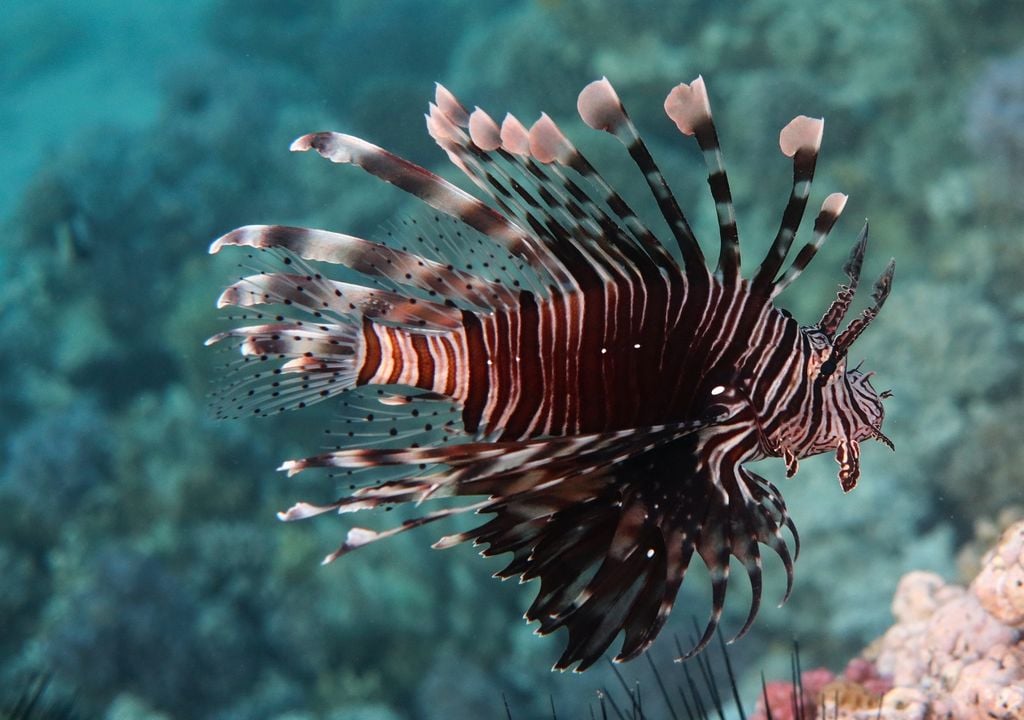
545	352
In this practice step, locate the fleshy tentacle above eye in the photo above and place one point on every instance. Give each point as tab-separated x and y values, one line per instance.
859	324
833	317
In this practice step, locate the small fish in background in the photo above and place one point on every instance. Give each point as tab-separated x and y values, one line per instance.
547	354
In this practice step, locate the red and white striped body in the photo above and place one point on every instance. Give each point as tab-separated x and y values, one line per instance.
548	354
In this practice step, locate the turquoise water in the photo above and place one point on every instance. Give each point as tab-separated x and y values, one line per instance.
142	566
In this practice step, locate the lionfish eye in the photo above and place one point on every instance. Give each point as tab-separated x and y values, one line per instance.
827	368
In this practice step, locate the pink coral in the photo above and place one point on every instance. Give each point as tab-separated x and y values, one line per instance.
865	673
999	586
860	688
954	652
781	696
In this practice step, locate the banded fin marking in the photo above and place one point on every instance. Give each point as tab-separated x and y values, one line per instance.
346	301
600	107
800	140
372	259
430	188
523	190
516	139
689	107
299	381
506	456
833	316
550	146
859	324
831	209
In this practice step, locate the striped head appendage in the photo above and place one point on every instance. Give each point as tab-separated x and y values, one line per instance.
545	353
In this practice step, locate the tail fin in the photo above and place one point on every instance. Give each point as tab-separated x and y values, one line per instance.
336	335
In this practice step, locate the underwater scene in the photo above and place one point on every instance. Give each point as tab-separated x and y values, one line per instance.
571	341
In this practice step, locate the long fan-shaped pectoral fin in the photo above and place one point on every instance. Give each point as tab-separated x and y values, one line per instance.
358	537
746	549
715	549
645	625
601	609
753	514
613	447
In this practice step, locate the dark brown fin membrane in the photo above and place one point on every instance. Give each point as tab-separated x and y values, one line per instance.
609	543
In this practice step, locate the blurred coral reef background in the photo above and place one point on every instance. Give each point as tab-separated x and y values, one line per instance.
141	568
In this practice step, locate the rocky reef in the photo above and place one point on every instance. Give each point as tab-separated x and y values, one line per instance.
953	653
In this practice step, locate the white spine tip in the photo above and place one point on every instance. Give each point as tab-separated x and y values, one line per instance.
834	203
447	541
357	537
599	106
291	467
450	105
515	138
547	142
802	133
302	144
483	131
688	106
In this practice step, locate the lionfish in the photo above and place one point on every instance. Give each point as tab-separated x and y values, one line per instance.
547	353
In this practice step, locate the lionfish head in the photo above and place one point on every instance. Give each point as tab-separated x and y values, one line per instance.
846	392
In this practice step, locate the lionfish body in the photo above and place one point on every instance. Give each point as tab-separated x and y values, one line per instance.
547	354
